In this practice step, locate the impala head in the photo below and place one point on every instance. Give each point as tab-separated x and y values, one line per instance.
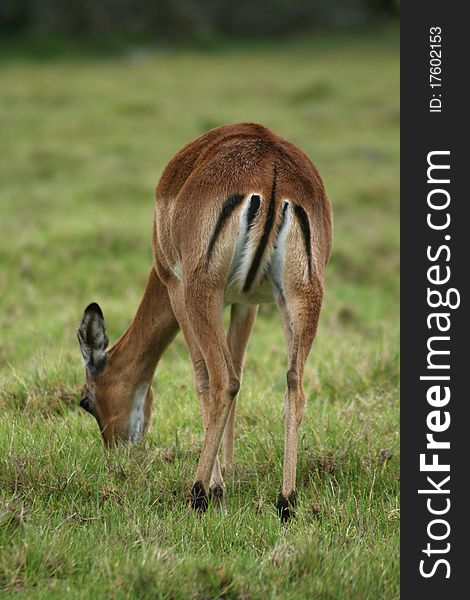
120	404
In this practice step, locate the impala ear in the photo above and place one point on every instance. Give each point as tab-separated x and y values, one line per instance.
93	339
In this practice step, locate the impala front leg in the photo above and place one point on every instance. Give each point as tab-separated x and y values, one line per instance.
242	319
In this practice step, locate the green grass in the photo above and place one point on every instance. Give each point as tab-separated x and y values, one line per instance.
83	143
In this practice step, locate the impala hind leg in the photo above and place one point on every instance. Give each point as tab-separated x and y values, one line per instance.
201	378
242	319
300	318
204	307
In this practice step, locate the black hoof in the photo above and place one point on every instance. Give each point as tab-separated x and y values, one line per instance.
198	497
285	507
216	493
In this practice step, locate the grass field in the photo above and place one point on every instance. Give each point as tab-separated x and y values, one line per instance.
83	141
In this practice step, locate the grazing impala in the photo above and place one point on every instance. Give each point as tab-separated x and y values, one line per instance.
241	218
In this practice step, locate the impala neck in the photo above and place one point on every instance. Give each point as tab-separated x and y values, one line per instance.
136	354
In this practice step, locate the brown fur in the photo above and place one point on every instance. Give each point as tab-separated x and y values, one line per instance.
189	290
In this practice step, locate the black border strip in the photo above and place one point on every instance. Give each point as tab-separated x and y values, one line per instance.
422	132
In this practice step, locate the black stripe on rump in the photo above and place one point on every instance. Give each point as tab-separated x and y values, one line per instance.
253	209
264	238
305	227
227	209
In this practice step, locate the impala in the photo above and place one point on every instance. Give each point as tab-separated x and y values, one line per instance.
241	218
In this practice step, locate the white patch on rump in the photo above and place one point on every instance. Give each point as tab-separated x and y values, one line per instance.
176	269
268	284
135	426
244	248
276	266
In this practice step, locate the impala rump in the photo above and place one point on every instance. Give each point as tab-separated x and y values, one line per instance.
256	270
